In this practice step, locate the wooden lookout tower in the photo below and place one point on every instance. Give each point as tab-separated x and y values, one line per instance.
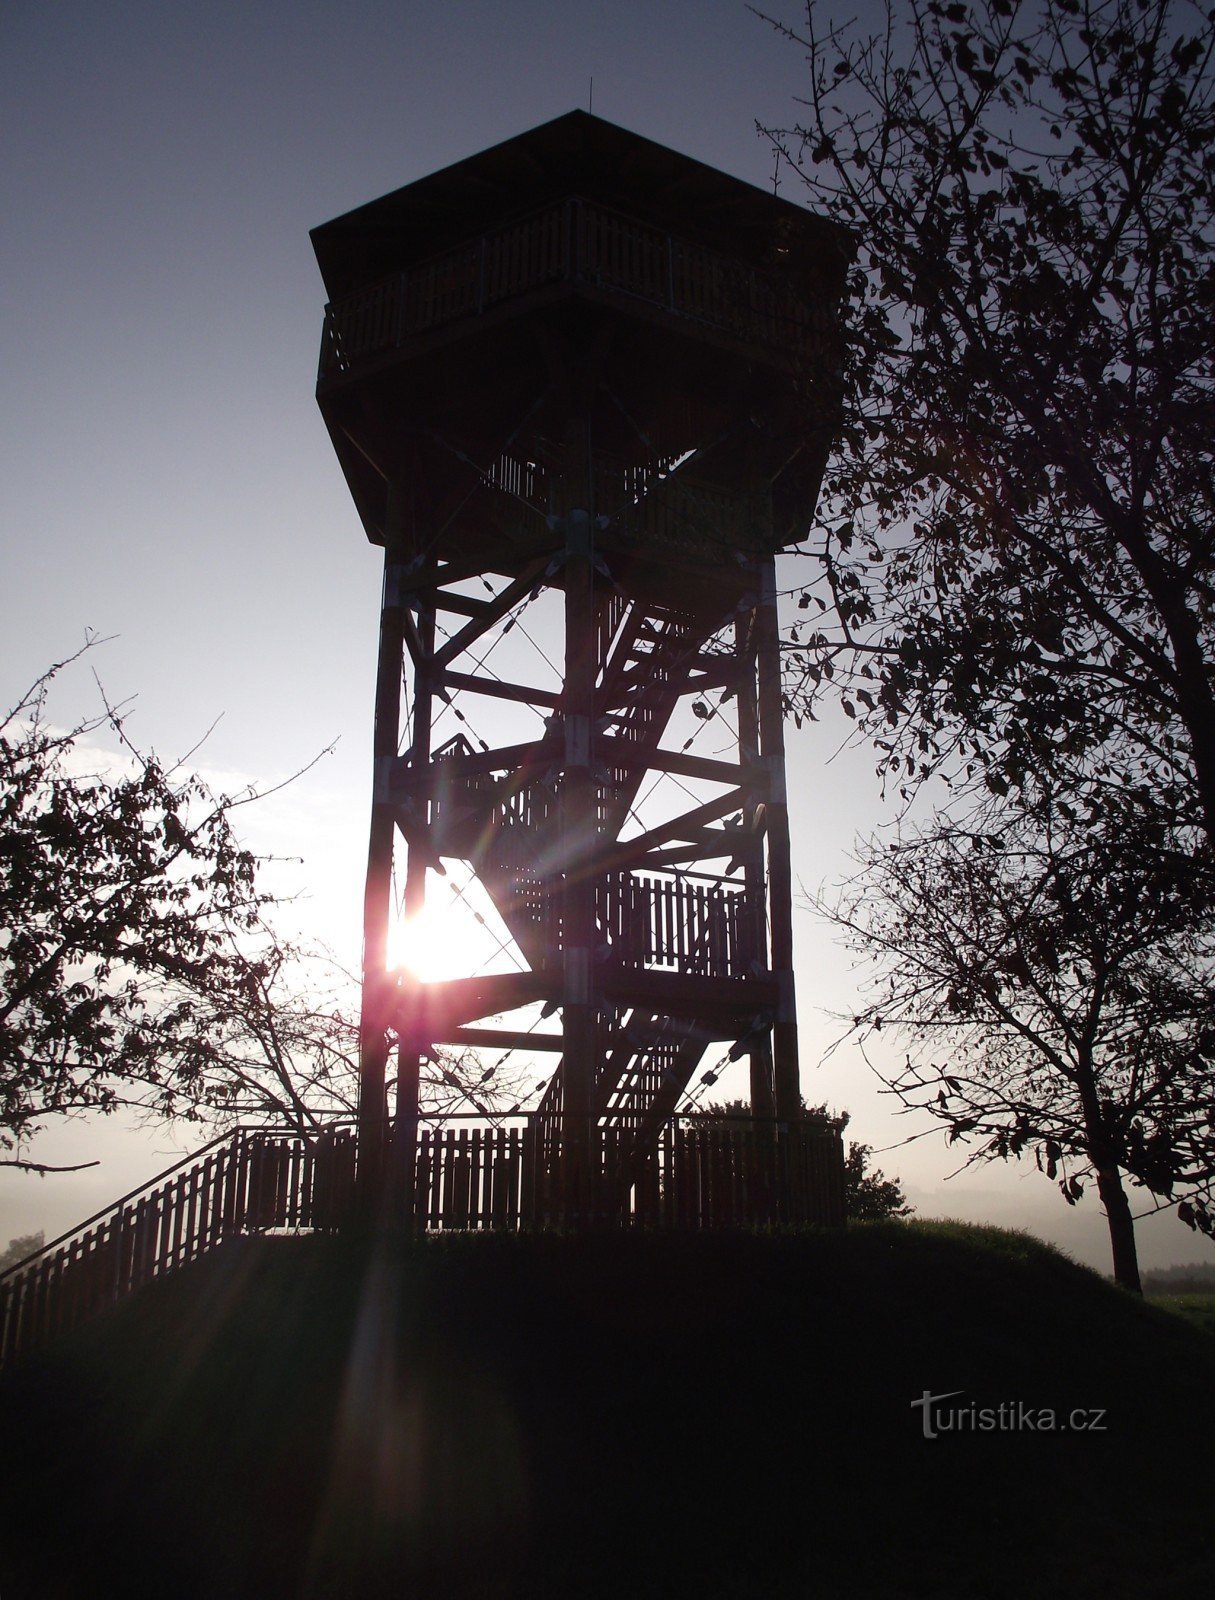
582	390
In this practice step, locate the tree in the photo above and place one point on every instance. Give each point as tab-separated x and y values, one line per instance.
1056	991
138	967
1015	573
25	1244
869	1195
120	898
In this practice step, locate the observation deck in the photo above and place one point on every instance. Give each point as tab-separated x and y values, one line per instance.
572	248
702	311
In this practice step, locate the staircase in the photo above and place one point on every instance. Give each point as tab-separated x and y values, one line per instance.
646	672
246	1182
507	829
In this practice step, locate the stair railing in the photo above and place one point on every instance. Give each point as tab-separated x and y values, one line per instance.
247	1181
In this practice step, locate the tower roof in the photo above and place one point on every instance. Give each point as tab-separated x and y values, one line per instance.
574	154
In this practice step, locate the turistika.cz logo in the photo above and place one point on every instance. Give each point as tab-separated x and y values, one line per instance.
1010	1416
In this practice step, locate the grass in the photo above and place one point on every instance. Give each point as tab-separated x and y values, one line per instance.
1198	1309
520	1418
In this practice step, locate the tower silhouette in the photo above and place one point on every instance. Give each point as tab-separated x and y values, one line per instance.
582	376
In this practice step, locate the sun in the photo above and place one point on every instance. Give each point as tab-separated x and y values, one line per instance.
458	933
432	944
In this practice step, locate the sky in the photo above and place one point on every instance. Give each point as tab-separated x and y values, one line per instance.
168	483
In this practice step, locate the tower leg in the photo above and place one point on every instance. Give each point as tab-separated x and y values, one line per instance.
763	1101
578	834
786	1071
409	1063
377	902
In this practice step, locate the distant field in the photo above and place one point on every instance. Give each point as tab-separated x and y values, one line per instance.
1196	1308
726	1417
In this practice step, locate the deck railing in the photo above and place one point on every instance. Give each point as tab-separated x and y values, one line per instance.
694	1173
572	241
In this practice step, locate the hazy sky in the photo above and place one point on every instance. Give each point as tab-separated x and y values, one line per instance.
166	476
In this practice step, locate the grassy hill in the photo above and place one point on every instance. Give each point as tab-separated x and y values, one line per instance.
625	1417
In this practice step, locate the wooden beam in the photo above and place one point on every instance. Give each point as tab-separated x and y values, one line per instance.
763	1097
503	1039
461	605
377	891
729	1004
418	653
470	567
496	609
710	844
577	807
627	852
717	677
411	782
498	690
624	753
786	1075
435	1009
400	1193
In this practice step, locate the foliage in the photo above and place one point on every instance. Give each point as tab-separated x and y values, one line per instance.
1196	1277
25	1244
1015	570
869	1194
138	969
120	898
1056	987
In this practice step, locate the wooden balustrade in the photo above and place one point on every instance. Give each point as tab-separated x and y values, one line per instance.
472	1177
571	241
674	922
688	1174
692	1174
246	1182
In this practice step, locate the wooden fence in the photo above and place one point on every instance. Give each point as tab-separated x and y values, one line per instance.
694	1174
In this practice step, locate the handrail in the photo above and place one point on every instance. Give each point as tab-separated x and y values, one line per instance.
245	1181
115	1205
152	1183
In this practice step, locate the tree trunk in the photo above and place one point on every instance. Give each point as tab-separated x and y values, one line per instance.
1177	602
1101	1152
1122	1228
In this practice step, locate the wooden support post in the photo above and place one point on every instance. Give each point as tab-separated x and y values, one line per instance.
578	830
409	1063
787	1081
763	1102
377	1001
